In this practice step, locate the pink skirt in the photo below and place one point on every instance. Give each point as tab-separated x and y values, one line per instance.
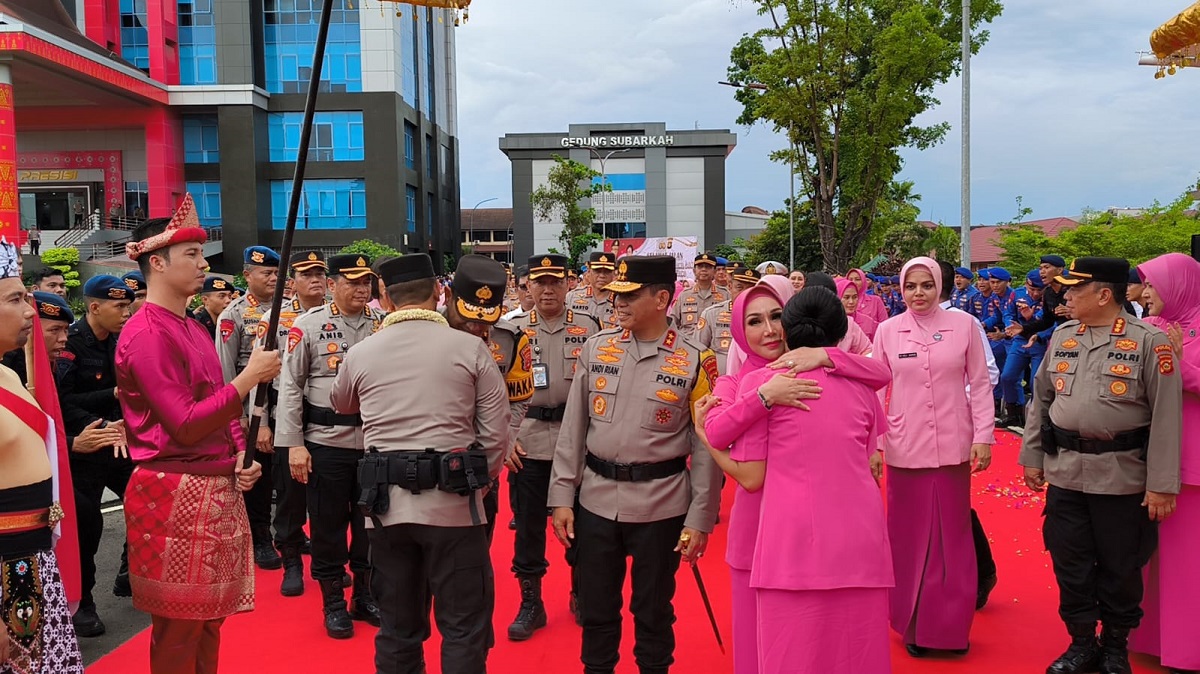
933	554
823	631
745	622
1168	629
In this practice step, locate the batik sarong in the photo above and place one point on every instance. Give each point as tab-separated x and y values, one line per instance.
35	614
190	554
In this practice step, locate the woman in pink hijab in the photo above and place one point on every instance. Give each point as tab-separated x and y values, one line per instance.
809	592
939	432
853	300
1168	630
737	408
870	305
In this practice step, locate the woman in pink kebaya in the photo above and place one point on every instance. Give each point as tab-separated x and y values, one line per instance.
757	329
855	305
1169	628
870	305
938	433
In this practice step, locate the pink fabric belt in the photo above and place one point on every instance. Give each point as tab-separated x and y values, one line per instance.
211	467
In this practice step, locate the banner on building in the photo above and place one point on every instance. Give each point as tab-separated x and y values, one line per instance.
682	248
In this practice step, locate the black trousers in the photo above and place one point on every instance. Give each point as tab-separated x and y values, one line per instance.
530	489
291	499
1098	544
491	506
258	500
416	562
90	479
332	495
984	562
604	546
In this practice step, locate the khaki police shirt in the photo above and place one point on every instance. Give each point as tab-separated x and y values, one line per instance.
630	402
557	343
513	355
584	301
690	304
1100	382
288	313
445	395
315	346
713	332
237	333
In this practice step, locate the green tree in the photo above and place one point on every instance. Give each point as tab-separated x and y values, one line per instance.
731	251
772	242
1023	246
64	260
568	183
846	79
371	249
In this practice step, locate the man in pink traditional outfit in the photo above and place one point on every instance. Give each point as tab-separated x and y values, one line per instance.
190	558
1168	630
931	448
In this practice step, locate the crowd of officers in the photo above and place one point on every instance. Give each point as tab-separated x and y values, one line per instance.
581	386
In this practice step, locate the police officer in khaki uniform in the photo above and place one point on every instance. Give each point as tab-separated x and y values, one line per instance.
1104	434
593	299
307	272
557	335
324	447
475	307
237	332
625	443
428	540
713	331
692	303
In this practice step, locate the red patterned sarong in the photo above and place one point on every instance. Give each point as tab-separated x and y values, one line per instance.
190	554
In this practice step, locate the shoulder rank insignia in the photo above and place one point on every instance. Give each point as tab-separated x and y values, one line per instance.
669	340
1119	326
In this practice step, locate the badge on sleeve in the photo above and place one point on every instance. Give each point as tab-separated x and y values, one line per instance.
1166	364
226	329
295	336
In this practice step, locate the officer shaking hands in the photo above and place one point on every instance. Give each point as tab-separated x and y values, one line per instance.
1104	435
557	335
427	423
626	441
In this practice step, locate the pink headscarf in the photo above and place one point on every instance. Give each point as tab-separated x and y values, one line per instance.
842	284
861	316
1176	278
739	353
930	265
861	284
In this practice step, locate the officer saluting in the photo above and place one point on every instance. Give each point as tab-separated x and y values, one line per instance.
326	444
594	299
426	532
557	335
475	307
692	303
1104	433
628	422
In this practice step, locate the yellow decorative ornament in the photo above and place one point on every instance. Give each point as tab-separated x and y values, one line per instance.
1176	43
459	7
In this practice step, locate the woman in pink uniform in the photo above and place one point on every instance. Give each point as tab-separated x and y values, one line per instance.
758	333
937	433
1168	630
870	305
820	576
854	302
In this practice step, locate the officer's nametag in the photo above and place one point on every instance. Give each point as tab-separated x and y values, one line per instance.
541	376
909	355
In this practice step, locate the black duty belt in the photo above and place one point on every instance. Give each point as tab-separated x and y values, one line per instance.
323	416
1122	442
546	413
461	472
636	472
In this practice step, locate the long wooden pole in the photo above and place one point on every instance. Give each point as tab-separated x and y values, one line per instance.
270	340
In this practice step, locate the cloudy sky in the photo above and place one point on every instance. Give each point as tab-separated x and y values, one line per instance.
1062	113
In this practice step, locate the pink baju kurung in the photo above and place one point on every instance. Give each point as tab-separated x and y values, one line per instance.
862	317
739	409
1168	629
872	306
932	422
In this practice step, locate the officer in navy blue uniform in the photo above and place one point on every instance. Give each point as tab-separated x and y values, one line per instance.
137	283
965	294
87	389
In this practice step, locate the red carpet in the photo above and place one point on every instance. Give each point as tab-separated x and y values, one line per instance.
1018	632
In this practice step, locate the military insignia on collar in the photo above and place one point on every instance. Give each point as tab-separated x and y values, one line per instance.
1119	327
669	341
483	294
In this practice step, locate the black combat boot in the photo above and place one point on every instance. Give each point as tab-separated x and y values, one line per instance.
1083	656
999	409
293	572
362	604
265	555
1014	417
1114	650
337	620
531	616
121	586
87	622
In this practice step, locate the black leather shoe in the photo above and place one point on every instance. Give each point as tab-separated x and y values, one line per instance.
916	651
87	623
512	524
1114	650
1083	656
121	586
986	585
293	573
266	557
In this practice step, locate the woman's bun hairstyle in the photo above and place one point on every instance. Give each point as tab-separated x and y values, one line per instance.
814	317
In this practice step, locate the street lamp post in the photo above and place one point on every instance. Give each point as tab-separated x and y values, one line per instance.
791	176
471	220
965	229
603	182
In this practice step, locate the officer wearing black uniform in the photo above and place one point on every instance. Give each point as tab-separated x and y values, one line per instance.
1104	434
87	388
137	283
557	335
216	293
475	306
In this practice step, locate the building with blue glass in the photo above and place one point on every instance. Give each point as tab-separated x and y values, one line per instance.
221	118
